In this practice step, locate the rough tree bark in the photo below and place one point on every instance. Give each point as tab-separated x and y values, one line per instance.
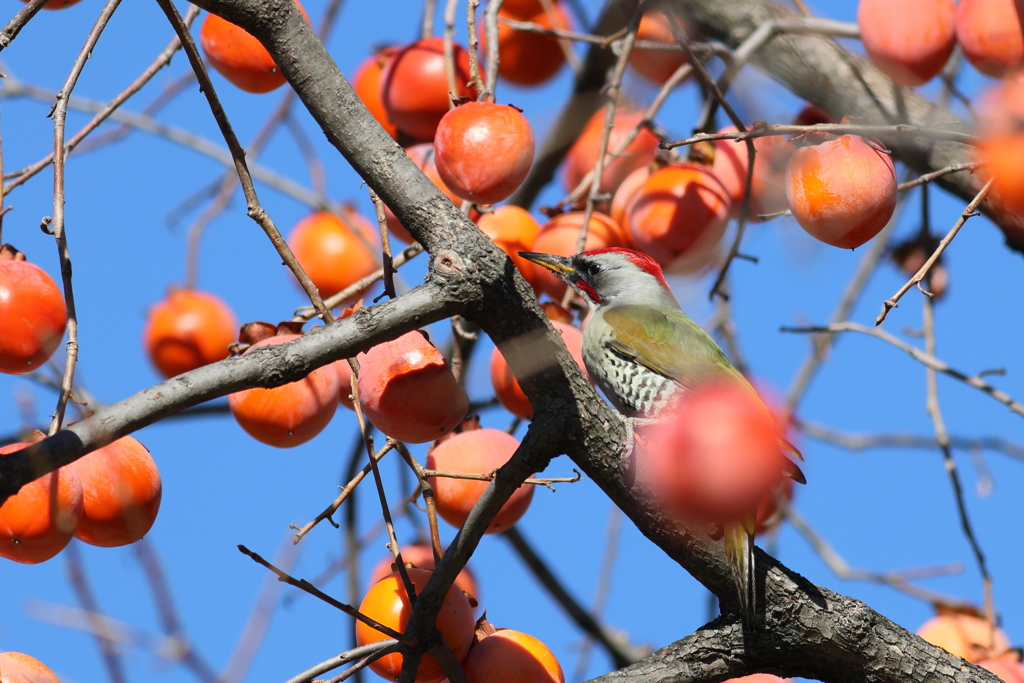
803	629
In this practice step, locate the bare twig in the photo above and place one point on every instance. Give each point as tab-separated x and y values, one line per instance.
861	442
917	354
493	58
971	166
490	477
56	227
316	592
474	62
364	651
968	212
18	21
388	269
256	211
620	653
162	60
761	129
345	492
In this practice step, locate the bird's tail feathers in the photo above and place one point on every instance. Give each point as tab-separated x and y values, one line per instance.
739	551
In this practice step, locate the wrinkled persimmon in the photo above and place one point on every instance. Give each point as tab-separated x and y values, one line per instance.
187	330
121	492
387	602
291	414
842	191
408	391
238	56
912	44
480	451
39	520
414	86
483	151
335	251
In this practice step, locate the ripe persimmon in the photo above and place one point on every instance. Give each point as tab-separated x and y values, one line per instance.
768	183
909	42
513	229
414	86
480	451
991	34
620	202
39	520
508	656
408	391
32	313
656	65
335	251
522	9
506	386
187	330
526	58
715	456
424	157
290	414
679	215
483	151
582	155
387	602
16	667
842	191
965	635
559	236
238	56
121	491
366	83
421	555
1002	141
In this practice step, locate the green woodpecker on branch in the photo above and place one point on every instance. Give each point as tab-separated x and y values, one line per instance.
642	351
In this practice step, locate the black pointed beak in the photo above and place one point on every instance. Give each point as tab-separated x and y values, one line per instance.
559	265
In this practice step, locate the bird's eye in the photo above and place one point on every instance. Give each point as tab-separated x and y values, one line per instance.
594	269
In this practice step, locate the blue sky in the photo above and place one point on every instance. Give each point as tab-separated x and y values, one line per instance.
883	509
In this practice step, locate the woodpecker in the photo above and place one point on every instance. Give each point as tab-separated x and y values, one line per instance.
642	350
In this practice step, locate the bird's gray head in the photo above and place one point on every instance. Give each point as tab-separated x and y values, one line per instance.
612	276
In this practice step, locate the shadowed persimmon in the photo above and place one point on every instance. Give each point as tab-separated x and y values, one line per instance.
414	86
290	414
335	251
39	520
387	602
238	56
421	555
480	451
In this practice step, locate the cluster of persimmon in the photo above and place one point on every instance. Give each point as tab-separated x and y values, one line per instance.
485	653
108	498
